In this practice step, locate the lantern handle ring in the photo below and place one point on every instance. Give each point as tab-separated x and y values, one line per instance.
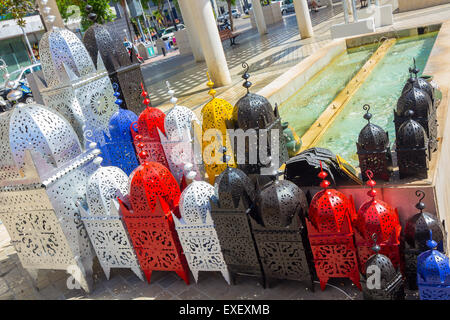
420	194
369	174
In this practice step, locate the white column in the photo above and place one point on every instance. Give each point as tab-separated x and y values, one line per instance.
345	8
206	30
59	23
194	40
303	19
259	17
355	14
377	2
349	7
369	3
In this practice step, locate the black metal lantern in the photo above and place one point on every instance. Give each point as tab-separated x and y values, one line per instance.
412	149
280	232
420	83
415	99
230	209
373	149
262	128
122	69
381	280
416	235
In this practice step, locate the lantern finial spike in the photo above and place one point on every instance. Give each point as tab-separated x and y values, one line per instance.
322	175
171	93
431	244
117	94
375	247
367	115
420	205
247	84
210	84
144	94
371	183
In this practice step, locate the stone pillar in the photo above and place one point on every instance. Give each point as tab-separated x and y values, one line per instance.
303	19
59	23
205	29
194	40
259	17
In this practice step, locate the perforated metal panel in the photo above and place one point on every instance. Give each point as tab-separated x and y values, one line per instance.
196	230
103	222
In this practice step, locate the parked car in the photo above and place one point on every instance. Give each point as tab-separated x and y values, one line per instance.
18	80
169	33
234	13
287	8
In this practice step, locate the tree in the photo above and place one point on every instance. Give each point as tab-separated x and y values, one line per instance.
100	7
159	12
18	9
230	3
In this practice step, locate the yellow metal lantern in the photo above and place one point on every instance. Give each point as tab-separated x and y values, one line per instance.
217	117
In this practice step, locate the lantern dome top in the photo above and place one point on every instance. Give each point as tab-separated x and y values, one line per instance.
415	99
382	263
372	137
150	120
39	129
178	121
148	182
62	53
377	217
329	208
433	267
105	184
278	202
253	110
411	134
195	202
217	111
232	185
418	82
418	227
104	40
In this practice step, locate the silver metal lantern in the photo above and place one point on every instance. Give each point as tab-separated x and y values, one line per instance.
74	87
43	173
103	223
196	230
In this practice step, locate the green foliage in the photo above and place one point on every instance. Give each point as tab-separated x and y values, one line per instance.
17	9
100	7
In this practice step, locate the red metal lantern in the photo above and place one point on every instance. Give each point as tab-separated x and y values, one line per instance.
377	217
145	132
147	212
330	234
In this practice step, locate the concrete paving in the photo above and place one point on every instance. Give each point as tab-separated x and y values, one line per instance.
268	57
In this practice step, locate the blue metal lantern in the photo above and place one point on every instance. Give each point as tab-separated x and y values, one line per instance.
433	273
119	150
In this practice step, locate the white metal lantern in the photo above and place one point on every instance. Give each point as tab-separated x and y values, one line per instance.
103	222
196	230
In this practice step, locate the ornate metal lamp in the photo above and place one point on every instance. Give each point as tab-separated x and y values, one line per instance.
196	230
379	218
373	149
280	234
382	281
254	113
119	149
420	83
146	132
103	223
412	149
416	234
433	273
415	99
230	209
122	69
74	86
217	117
147	212
330	234
43	171
179	140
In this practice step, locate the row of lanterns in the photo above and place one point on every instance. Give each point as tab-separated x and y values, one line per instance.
415	129
152	211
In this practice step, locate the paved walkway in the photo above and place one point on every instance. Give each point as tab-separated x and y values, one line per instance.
268	57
